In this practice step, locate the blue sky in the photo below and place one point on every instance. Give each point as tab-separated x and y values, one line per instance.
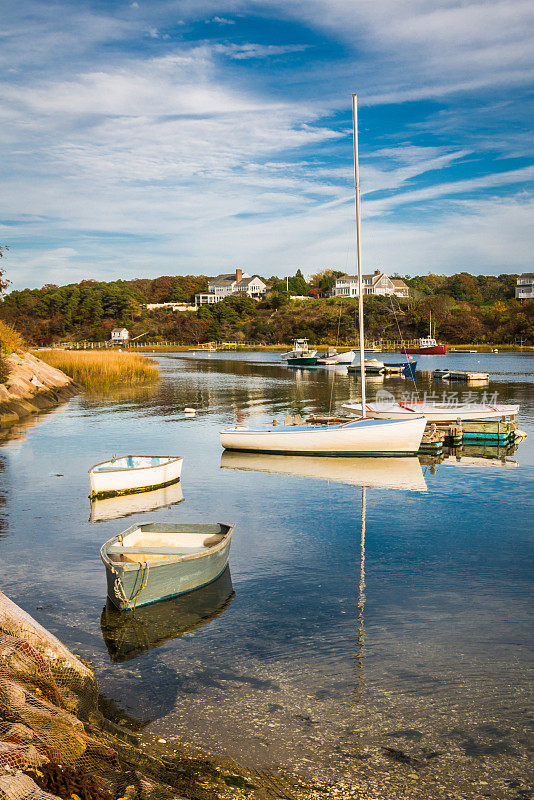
186	136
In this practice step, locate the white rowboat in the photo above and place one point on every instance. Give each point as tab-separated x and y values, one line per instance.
434	412
361	437
134	474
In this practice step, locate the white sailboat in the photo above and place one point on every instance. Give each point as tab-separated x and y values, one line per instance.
434	412
364	436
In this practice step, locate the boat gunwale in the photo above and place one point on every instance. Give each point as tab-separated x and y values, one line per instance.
130	566
170	460
294	429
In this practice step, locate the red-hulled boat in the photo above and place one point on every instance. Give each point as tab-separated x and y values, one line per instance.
428	346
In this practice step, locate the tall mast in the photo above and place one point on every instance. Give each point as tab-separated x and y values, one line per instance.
358	243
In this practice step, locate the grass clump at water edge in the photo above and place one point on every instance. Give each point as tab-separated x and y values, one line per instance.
103	370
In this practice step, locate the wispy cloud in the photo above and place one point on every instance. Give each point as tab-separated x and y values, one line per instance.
151	142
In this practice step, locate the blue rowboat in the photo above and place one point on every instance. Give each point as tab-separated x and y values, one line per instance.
409	367
152	562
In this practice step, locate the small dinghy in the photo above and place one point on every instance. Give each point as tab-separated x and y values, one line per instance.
153	562
134	474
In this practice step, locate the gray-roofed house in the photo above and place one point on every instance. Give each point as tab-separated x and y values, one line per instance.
524	288
224	285
376	283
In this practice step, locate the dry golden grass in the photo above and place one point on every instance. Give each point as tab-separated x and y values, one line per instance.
102	370
10	339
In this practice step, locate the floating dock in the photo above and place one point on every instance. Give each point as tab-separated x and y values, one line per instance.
460	375
484	432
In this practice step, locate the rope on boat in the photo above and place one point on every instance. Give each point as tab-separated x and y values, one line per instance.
119	588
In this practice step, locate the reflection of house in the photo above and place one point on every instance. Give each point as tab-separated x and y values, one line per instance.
224	285
378	283
524	288
120	335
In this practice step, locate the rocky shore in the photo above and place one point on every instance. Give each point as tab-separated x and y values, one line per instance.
32	386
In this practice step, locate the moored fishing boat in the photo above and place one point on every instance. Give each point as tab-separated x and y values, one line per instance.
134	474
152	562
300	350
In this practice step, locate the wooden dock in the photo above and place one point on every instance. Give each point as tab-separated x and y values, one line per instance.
460	375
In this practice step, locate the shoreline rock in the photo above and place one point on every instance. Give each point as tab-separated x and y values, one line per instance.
31	387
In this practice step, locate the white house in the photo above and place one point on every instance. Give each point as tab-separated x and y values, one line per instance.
120	335
377	283
224	285
524	288
254	286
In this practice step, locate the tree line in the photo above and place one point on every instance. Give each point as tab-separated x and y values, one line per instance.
465	309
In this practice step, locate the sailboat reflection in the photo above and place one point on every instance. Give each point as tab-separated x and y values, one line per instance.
395	473
128	635
124	505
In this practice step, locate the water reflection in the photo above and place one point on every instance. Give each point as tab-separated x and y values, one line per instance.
399	473
128	634
126	505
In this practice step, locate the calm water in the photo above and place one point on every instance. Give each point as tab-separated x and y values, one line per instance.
321	647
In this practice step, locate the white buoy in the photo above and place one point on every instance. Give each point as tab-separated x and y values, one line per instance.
189	411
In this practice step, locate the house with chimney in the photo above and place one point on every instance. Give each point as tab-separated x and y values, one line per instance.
224	285
377	283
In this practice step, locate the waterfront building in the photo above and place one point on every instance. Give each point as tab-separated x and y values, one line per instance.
224	285
120	335
378	283
524	288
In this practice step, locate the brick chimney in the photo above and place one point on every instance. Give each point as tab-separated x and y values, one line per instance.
238	275
377	272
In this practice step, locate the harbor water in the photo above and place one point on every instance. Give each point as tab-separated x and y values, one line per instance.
395	656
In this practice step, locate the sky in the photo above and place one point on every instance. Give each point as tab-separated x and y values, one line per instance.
171	137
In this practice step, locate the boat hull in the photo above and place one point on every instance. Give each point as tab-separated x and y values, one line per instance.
135	479
338	359
434	350
363	437
148	582
308	361
433	413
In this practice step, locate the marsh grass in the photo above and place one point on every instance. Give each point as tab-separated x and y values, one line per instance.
102	371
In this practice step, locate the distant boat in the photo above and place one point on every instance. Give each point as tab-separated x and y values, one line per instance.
128	635
152	562
300	350
129	474
433	412
408	367
332	357
376	367
428	346
124	505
